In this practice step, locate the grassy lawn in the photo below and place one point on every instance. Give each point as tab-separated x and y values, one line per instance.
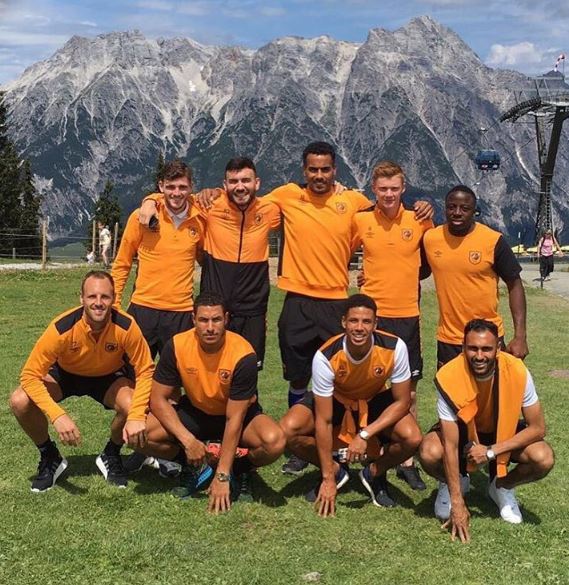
83	531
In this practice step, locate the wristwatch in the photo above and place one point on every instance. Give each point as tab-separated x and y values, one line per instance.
223	477
363	434
490	455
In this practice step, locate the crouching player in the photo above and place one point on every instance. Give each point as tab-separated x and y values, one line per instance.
350	406
481	395
82	353
218	371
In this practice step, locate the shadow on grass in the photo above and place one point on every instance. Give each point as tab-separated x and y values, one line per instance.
300	485
78	466
265	494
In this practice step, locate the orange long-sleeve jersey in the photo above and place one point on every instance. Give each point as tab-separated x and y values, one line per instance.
316	244
166	260
391	260
69	342
236	252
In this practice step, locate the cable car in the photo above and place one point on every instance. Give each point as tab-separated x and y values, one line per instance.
487	160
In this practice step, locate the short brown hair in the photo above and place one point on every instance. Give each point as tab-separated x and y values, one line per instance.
386	169
100	275
175	169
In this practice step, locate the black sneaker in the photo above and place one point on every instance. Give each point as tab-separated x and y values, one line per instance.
342	477
377	488
136	461
243	487
192	480
112	469
168	469
294	466
50	467
410	474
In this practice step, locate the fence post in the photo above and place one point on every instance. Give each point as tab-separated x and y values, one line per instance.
44	245
13	253
93	236
115	239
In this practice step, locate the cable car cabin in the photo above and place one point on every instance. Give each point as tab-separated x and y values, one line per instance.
487	160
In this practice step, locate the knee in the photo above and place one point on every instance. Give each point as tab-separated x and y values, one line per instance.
123	401
430	452
19	401
274	441
543	460
290	426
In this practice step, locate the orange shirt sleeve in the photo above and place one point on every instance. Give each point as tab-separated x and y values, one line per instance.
43	356
139	356
130	242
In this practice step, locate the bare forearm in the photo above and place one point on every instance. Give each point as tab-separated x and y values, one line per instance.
163	410
324	444
526	437
517	299
452	472
390	416
229	443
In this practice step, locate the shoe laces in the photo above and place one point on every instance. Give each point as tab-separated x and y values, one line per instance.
46	464
114	464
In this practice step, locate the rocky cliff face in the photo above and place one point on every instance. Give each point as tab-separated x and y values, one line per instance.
103	108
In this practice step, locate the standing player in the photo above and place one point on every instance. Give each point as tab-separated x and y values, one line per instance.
82	353
235	261
392	241
467	259
351	405
104	243
162	301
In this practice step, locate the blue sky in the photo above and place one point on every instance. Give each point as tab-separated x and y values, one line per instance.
526	35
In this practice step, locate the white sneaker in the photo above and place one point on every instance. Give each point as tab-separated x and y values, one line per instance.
442	501
506	502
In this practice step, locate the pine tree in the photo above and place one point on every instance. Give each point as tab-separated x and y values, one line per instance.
30	212
19	203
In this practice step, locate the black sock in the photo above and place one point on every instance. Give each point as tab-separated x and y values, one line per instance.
181	457
47	447
242	465
111	448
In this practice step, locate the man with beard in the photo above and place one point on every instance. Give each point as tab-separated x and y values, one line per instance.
235	261
86	352
467	259
481	395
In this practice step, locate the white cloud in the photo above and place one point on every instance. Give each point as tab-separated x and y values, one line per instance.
88	23
197	8
517	55
12	39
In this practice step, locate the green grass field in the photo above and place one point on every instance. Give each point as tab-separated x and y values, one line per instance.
83	531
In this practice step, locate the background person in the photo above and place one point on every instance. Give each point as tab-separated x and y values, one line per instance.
546	248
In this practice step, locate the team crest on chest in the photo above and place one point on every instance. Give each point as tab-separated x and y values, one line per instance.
407	234
378	371
224	376
258	218
111	346
193	232
474	256
341	207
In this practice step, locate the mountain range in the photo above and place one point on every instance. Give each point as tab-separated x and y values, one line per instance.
103	109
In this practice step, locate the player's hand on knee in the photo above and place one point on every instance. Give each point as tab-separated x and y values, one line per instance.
219	497
67	430
146	212
134	433
195	452
325	503
360	279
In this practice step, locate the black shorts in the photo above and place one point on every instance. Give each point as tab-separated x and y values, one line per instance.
484	438
209	427
409	330
375	407
160	326
305	324
254	329
93	386
448	351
